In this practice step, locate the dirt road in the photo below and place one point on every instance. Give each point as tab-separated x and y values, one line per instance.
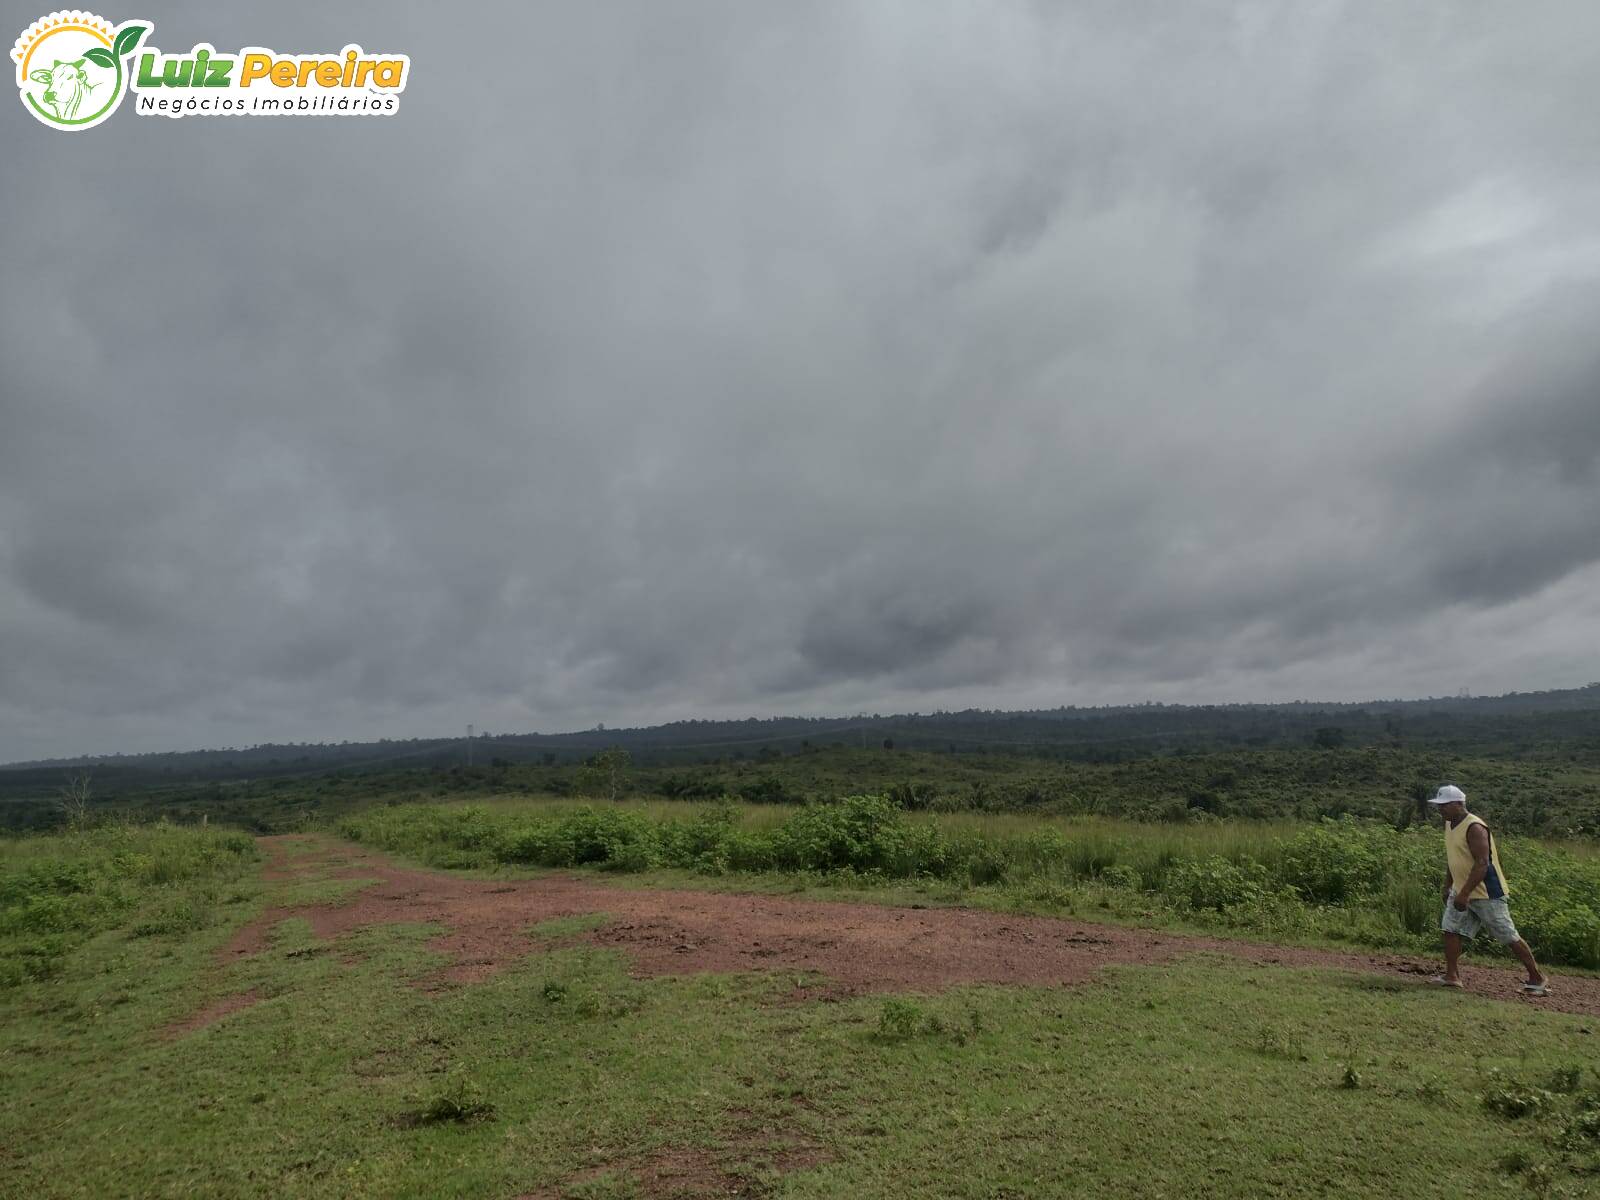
858	948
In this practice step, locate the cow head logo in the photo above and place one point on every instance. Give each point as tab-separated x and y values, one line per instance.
71	67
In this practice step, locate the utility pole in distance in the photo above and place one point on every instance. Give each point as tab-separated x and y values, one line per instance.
469	745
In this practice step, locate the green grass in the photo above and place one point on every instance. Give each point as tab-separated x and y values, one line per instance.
157	880
565	1077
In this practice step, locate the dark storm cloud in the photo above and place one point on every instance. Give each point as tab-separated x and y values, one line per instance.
721	358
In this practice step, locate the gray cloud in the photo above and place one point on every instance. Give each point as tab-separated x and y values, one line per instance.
725	358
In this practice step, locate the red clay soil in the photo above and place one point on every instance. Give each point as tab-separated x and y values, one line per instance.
695	1172
859	948
212	1012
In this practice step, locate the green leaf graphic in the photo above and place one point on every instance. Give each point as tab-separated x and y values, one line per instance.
100	56
128	39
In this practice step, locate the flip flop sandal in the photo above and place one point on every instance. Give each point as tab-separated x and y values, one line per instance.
1535	989
1441	981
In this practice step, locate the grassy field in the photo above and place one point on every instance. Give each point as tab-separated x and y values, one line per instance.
1330	882
563	1077
60	891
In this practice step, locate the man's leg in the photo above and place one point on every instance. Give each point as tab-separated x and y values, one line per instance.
1525	955
1452	957
1495	916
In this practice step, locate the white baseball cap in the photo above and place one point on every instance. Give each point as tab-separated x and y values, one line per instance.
1449	794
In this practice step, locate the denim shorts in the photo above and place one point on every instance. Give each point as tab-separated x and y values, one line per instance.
1491	915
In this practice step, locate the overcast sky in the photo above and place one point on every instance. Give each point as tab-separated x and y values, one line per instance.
681	359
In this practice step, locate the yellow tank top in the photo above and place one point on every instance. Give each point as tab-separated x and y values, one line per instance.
1459	854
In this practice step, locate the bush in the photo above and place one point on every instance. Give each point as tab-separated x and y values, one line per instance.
1512	1100
469	828
1215	883
899	1020
613	838
987	862
913	796
1121	876
530	844
700	843
925	850
1581	1131
1569	935
769	790
863	833
1331	863
744	851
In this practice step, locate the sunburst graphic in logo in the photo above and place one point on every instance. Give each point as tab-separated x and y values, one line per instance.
70	67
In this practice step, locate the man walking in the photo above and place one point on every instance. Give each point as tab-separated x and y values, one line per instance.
1475	891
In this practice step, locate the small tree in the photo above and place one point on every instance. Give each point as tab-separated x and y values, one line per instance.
73	799
606	774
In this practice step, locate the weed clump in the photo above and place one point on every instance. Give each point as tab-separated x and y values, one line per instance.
458	1101
899	1020
1275	1043
1514	1101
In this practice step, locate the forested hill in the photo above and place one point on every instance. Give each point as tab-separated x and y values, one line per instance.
1563	724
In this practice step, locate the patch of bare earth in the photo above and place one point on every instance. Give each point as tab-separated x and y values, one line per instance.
748	1154
212	1013
858	948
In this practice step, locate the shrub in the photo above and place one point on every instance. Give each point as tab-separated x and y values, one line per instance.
533	844
925	850
899	1020
1041	852
25	960
1120	875
702	842
769	790
1564	1080
1217	884
1581	1131
864	833
745	851
1512	1100
1563	934
913	796
1331	863
632	856
984	861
